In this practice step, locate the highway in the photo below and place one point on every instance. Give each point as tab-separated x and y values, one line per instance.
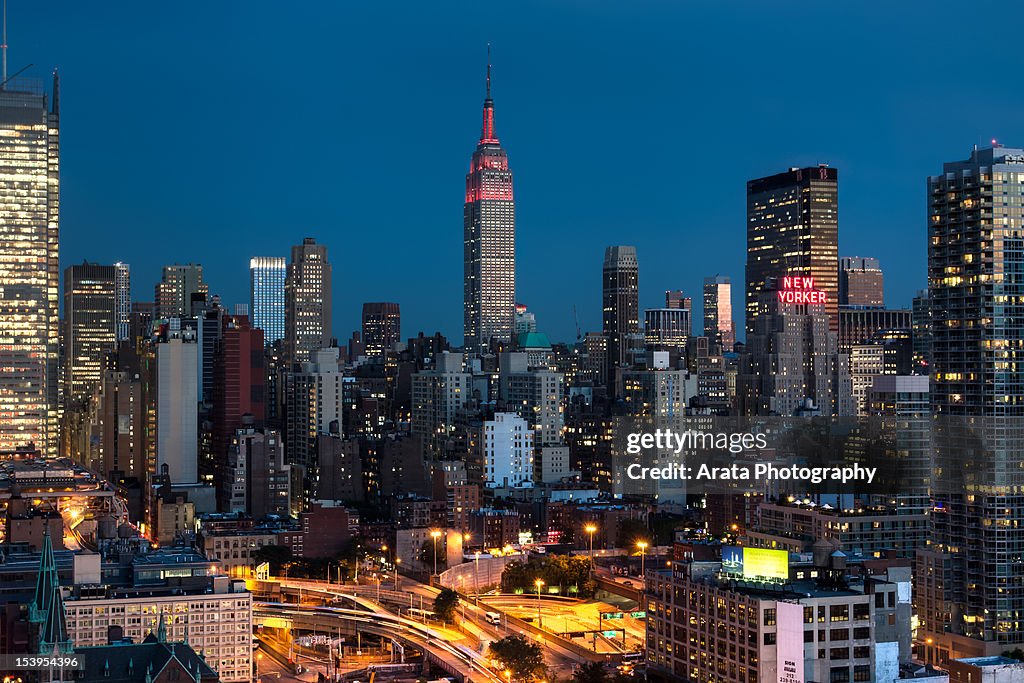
456	660
559	660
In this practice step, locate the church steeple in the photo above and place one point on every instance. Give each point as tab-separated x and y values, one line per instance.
47	608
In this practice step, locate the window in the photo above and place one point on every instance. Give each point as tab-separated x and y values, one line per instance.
769	616
769	638
862	673
839	674
839	613
839	634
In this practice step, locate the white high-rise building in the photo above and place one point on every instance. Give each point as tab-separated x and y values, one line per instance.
266	296
508	452
122	300
177	413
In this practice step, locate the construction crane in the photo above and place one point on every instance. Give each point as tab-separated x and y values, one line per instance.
576	317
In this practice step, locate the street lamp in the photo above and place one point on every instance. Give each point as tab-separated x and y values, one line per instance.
539	583
476	576
435	534
397	560
643	547
591	529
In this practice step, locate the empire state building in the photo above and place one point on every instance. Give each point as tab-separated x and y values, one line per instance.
489	240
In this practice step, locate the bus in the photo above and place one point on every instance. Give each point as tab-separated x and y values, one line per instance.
493	618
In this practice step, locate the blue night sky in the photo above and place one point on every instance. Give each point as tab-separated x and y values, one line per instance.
210	132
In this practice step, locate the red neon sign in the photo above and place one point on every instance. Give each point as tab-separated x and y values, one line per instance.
800	290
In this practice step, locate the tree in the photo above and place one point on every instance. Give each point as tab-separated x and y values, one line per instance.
591	672
276	555
523	659
632	531
445	604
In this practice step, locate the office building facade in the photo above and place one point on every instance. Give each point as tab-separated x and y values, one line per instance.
489	240
620	310
178	286
793	229
718	323
90	326
123	300
382	328
861	284
307	301
29	238
266	296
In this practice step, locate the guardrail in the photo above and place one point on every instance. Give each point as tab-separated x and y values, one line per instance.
582	654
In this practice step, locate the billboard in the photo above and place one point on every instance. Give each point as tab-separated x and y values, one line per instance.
789	652
755	563
764	563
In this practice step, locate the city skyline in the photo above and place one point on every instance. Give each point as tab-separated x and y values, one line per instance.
603	105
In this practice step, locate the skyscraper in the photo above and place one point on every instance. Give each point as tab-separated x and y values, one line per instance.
307	312
793	229
382	327
792	364
90	326
489	240
621	306
29	271
122	301
969	592
177	397
266	296
173	294
860	282
718	324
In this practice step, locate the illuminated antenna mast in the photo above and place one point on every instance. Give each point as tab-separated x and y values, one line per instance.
3	46
488	57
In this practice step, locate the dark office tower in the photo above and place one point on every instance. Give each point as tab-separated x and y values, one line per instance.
970	591
382	328
120	420
921	312
861	325
718	324
667	329
239	387
621	306
674	299
792	229
307	308
29	272
90	327
174	293
489	236
141	320
860	283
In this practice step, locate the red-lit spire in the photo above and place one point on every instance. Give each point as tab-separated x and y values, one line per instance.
487	131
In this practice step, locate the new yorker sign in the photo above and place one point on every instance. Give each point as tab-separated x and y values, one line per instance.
800	290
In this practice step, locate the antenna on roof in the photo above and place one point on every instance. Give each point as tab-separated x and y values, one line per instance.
3	46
